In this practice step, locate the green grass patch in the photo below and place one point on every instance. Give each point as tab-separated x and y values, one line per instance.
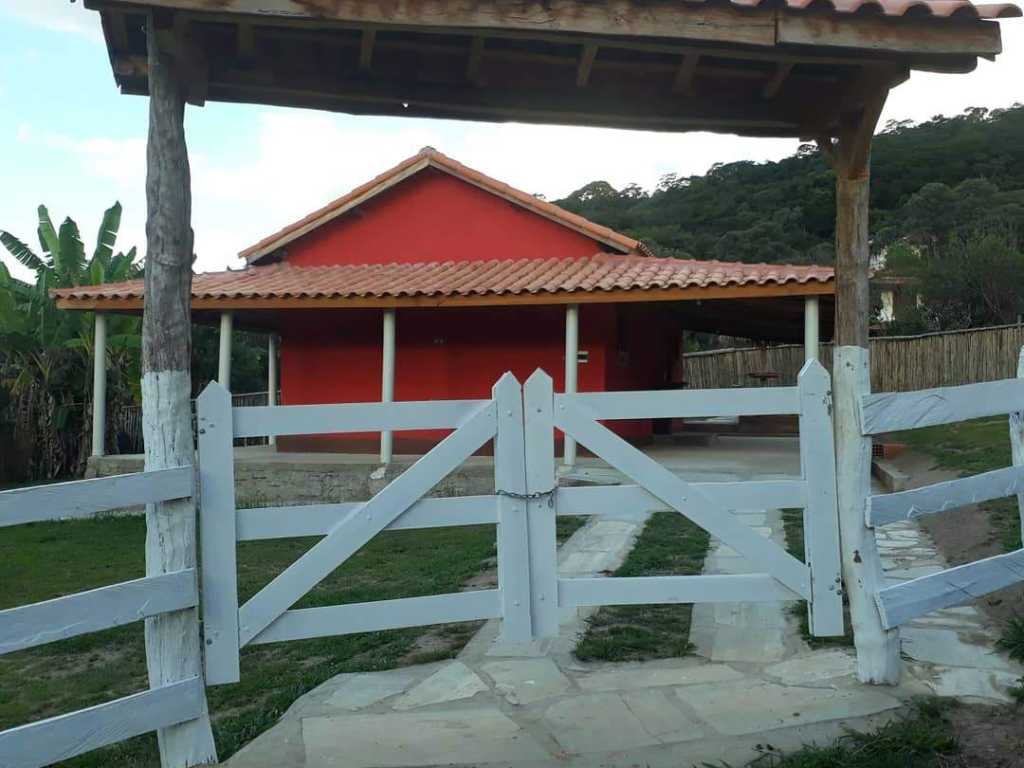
669	545
45	560
970	448
793	523
923	738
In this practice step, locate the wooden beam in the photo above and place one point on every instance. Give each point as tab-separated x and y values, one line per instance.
685	74
913	36
246	34
529	299
775	82
366	44
476	55
586	64
691	21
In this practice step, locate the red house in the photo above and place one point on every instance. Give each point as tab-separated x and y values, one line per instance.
431	280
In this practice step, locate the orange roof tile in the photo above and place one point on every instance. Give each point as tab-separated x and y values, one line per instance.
428	157
936	8
600	272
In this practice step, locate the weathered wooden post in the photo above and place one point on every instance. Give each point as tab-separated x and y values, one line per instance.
1017	443
173	651
878	653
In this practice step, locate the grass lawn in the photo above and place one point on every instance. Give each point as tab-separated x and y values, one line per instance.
793	523
45	560
669	545
921	739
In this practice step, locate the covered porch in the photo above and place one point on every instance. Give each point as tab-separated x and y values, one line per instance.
588	340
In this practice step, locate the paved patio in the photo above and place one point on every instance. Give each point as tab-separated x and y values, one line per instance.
753	681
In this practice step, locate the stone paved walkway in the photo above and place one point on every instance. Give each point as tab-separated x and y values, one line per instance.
753	681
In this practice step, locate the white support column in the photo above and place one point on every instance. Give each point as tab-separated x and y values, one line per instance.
811	326
272	378
387	381
224	361
99	385
572	353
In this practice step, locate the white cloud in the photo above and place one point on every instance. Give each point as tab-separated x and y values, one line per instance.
56	15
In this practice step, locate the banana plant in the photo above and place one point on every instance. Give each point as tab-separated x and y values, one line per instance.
47	352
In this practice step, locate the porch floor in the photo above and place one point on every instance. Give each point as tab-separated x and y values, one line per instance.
752	681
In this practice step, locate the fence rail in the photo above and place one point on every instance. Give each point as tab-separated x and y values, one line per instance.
911	410
898	363
60	738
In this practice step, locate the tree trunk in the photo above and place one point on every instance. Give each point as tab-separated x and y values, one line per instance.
173	650
878	656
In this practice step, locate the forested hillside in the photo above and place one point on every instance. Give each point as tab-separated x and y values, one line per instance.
949	174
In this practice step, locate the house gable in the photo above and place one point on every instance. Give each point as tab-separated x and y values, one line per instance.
433	216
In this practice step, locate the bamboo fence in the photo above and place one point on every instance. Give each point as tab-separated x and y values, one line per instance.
898	363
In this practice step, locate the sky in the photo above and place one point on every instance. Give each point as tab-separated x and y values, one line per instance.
69	140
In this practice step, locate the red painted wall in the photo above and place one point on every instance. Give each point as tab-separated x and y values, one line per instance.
433	216
453	353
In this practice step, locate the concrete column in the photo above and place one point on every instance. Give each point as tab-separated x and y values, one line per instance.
99	385
572	353
811	325
387	380
272	378
224	361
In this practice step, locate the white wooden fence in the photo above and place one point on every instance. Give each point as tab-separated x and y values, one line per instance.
912	410
526	501
60	738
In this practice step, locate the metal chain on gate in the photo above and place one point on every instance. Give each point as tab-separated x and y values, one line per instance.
550	494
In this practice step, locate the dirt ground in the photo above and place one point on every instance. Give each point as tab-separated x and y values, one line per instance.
990	737
962	535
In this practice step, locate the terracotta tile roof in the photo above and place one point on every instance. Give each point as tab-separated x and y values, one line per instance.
600	272
936	8
428	157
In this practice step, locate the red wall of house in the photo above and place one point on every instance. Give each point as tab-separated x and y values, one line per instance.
435	217
453	353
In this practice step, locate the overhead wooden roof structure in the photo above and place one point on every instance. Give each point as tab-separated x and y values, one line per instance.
820	69
751	67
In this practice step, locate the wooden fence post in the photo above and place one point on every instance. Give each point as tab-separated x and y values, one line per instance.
513	529
821	532
878	653
219	597
878	649
1017	443
173	651
538	404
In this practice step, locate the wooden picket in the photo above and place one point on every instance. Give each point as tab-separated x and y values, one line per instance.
903	602
60	738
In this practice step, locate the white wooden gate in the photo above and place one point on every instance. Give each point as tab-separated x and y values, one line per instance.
267	617
60	738
708	505
880	413
525	504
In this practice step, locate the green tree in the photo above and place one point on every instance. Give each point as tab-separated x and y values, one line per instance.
45	362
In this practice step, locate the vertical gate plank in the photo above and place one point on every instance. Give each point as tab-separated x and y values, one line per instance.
218	536
821	513
513	530
538	403
1017	442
